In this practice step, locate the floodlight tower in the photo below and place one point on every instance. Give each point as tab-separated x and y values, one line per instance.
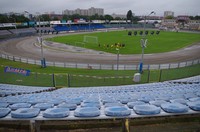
144	42
43	61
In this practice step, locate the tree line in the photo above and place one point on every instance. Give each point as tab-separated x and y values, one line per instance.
46	17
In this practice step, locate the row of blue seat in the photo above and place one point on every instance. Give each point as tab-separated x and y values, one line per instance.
92	111
79	27
130	100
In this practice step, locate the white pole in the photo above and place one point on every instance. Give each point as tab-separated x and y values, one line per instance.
143	42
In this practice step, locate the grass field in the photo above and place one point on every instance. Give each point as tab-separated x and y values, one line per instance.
164	42
70	76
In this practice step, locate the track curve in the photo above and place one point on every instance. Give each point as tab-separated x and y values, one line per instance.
27	48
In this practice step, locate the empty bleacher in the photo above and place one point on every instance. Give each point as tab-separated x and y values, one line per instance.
23	31
132	101
5	34
78	27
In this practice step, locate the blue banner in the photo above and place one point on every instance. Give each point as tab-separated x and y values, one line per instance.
17	71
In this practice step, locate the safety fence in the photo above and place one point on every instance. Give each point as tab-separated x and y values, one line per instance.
102	66
77	80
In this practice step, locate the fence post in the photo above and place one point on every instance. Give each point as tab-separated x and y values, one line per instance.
160	77
148	78
32	126
68	80
169	66
13	58
53	80
148	66
179	65
125	125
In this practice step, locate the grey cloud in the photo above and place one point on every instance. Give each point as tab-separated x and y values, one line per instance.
139	7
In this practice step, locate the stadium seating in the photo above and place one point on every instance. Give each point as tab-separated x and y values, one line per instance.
117	111
4	112
87	112
78	27
4	32
154	99
25	113
56	113
146	109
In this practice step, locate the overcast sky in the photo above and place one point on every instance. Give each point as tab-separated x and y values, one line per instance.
139	7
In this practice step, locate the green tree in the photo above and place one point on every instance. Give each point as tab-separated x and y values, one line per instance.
108	17
46	17
129	15
169	17
101	17
94	17
75	16
118	18
3	18
197	17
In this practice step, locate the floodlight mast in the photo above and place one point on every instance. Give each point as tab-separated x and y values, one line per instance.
43	62
144	42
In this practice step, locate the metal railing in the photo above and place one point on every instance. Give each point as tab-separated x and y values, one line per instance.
102	66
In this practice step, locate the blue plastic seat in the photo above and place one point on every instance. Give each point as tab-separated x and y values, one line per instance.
125	101
74	101
194	105
117	111
113	104
109	100
66	105
56	113
3	105
4	112
132	104
195	99
146	109
157	102
56	101
20	105
87	112
91	105
43	106
25	113
181	101
174	108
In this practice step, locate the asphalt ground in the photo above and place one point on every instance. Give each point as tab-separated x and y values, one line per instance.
28	47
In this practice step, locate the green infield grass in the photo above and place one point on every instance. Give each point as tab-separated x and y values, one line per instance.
106	41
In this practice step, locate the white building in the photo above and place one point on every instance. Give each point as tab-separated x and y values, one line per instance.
85	12
168	13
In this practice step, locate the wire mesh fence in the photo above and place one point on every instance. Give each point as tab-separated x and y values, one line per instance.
74	80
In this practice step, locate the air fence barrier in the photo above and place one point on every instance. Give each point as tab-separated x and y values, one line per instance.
102	66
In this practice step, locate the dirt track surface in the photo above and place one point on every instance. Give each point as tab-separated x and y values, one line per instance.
27	48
